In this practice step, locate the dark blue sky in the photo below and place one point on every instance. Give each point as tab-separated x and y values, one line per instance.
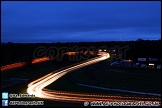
62	21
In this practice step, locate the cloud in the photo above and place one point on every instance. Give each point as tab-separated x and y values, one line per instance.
73	20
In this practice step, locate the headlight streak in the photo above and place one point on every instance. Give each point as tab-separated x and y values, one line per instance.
37	87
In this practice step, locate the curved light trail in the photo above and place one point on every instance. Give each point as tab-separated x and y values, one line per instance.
37	87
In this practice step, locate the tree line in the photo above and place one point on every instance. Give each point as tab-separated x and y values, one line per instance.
17	52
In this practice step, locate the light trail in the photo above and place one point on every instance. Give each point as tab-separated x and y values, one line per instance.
12	66
37	87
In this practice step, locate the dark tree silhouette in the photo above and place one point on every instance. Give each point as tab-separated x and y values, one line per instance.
137	49
139	39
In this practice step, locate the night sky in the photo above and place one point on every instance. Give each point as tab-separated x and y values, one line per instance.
78	21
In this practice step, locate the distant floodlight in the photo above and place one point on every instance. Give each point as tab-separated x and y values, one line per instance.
151	64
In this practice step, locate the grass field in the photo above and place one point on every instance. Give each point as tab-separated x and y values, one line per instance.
129	78
34	72
64	84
